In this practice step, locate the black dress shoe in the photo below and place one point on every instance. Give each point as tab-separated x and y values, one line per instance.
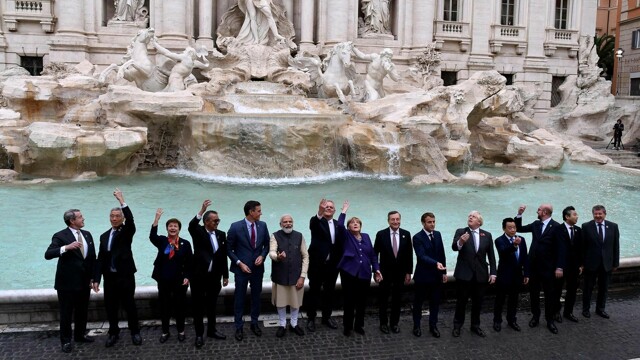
395	329
311	325
552	327
586	314
67	347
199	342
297	330
330	322
84	339
602	314
478	331
514	326
164	338
181	337
434	332
111	340
359	330
571	317
417	332
255	328
217	335
497	326
384	329
455	332
136	339
280	332
239	334
534	322
558	318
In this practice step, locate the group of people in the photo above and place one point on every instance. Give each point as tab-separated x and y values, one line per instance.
558	254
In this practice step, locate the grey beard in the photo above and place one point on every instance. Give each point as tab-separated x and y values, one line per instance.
287	230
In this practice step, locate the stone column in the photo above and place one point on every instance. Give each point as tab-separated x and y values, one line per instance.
205	23
71	17
288	5
69	45
423	18
480	18
405	30
540	15
307	15
222	7
174	22
336	21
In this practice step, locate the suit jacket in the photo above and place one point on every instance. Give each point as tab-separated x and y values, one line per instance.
74	272
390	266
239	246
321	247
469	262
428	254
596	252
358	257
573	249
511	271
120	256
546	253
203	251
179	266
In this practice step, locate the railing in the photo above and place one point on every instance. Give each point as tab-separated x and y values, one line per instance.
24	11
561	38
452	31
508	34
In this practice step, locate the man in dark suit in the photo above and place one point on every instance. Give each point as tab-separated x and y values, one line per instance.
545	254
393	245
115	263
571	237
325	252
602	256
430	274
74	276
210	266
472	273
513	272
248	245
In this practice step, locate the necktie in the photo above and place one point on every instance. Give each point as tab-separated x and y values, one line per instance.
474	233
395	245
253	235
600	233
431	238
80	240
572	235
213	243
517	250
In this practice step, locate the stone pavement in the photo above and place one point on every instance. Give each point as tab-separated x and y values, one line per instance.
593	338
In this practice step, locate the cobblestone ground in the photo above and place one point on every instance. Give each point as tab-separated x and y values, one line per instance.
594	338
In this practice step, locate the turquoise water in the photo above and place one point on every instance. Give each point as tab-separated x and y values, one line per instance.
32	213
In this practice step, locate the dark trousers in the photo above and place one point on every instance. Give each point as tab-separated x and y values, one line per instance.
242	280
464	290
73	304
434	292
390	287
570	281
617	140
536	283
322	285
510	293
120	289
204	293
603	277
172	295
355	300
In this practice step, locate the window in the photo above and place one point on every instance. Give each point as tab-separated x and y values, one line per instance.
556	81
507	15
449	77
451	12
509	78
33	64
561	14
635	39
634	84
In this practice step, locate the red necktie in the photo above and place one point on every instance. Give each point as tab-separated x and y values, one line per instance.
253	235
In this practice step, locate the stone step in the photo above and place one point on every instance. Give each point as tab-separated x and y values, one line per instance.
629	157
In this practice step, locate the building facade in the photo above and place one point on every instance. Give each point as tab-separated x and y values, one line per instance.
627	68
528	41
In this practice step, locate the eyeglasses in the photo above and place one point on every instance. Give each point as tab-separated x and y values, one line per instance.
216	221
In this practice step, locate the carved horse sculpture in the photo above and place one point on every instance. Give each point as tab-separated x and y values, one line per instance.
337	78
137	67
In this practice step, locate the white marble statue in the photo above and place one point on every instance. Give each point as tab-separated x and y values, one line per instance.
380	66
376	17
258	22
185	63
128	10
332	77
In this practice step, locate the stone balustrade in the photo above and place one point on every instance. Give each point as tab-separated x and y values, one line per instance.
29	11
454	31
508	35
561	38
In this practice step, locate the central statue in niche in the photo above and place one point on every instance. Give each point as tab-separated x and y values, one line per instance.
258	22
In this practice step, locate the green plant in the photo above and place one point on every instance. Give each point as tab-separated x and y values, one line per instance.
605	48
